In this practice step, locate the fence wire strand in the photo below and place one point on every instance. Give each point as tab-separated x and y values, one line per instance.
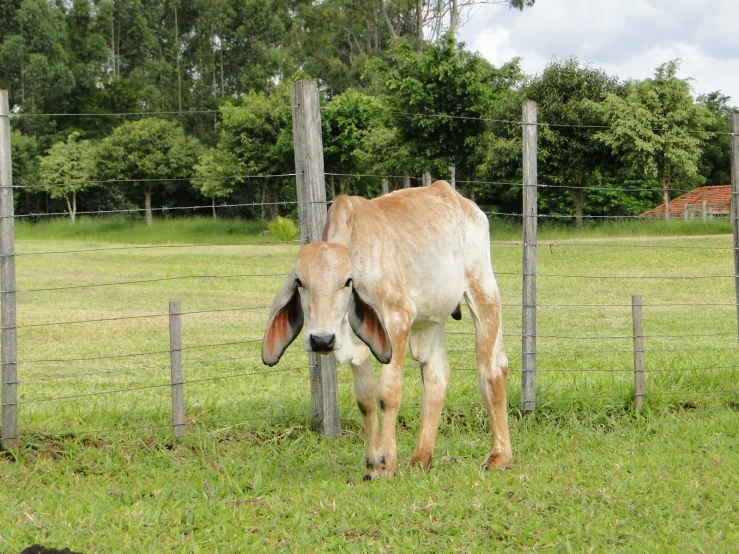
218	363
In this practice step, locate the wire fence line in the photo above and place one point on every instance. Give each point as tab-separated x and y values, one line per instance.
152	181
166	246
558	360
504	305
328	107
136	354
448	409
157	386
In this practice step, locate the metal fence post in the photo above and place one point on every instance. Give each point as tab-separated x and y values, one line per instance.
176	375
9	436
734	212
530	212
310	178
639	386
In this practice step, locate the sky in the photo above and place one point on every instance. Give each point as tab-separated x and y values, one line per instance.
626	38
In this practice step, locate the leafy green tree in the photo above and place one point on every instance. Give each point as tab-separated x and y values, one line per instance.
67	169
347	122
33	63
567	94
383	153
258	135
656	126
439	100
25	159
215	175
335	39
145	152
714	163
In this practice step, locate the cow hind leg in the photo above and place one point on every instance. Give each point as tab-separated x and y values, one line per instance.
483	299
428	348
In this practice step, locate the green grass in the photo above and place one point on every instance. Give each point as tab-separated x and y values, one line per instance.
589	474
552	228
121	229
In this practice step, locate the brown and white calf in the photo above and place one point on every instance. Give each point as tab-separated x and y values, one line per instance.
388	274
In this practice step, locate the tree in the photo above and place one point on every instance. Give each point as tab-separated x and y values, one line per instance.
439	100
258	135
567	94
347	121
33	62
215	175
460	11
145	152
714	163
67	169
657	127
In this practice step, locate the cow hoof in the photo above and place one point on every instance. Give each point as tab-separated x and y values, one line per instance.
370	477
498	461
421	462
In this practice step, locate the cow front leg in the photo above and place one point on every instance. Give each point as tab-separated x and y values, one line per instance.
388	400
389	392
365	391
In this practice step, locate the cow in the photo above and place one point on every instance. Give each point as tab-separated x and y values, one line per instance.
387	275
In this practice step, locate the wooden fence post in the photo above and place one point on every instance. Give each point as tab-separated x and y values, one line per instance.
309	175
639	386
735	203
530	212
176	376
385	187
9	436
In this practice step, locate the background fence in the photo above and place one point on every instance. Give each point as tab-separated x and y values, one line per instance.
110	353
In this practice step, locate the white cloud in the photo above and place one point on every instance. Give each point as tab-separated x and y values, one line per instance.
628	38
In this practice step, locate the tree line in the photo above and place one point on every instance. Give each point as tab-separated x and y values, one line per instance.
205	86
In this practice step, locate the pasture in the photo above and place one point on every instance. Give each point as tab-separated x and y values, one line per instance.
98	469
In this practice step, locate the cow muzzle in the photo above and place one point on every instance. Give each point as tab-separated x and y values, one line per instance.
322	342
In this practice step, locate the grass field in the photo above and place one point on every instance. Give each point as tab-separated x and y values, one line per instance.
101	472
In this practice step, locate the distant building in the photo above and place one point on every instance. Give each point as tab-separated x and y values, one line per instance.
703	202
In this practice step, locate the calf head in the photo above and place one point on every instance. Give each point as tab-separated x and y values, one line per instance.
321	291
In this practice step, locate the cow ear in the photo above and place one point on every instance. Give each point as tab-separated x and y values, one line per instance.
285	321
366	321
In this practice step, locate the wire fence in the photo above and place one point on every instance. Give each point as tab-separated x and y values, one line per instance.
93	341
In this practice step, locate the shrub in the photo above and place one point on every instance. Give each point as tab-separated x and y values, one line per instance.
284	229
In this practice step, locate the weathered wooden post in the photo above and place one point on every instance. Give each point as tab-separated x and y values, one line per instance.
530	213
308	143
9	437
735	203
175	364
636	319
385	186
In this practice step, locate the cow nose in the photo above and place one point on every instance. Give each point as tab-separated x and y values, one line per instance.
322	342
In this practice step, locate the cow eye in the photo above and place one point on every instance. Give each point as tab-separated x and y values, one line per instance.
299	283
348	282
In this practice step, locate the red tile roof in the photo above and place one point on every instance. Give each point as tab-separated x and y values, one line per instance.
719	194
